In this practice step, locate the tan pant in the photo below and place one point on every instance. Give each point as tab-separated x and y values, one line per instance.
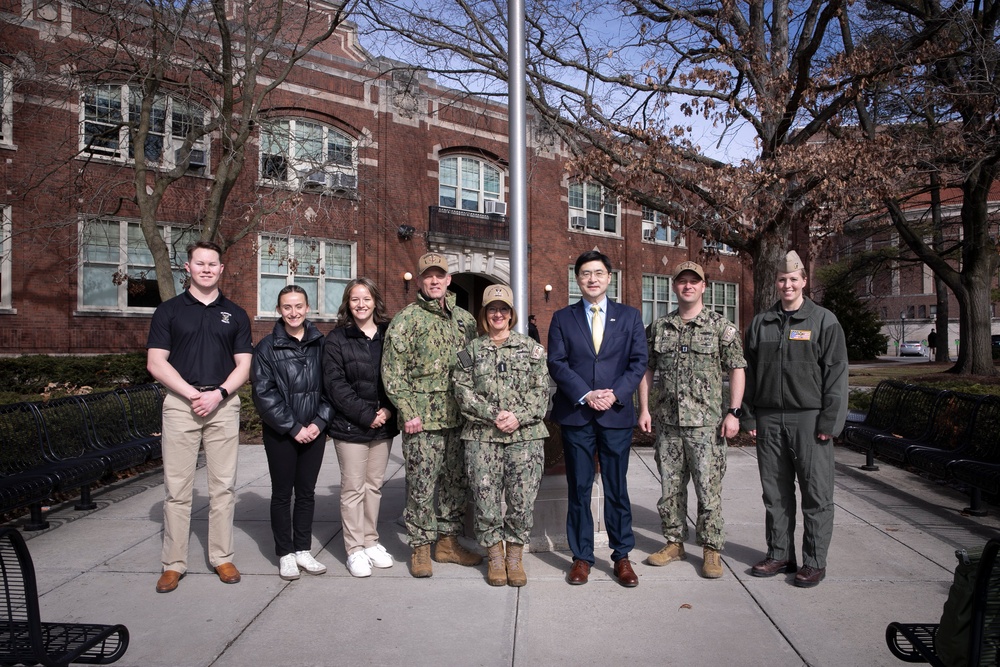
362	469
183	434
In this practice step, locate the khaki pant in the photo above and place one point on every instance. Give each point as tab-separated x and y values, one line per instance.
362	469
183	434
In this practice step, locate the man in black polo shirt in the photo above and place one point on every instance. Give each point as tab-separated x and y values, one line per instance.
199	348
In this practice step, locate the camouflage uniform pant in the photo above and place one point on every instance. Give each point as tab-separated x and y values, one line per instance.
510	473
698	454
435	470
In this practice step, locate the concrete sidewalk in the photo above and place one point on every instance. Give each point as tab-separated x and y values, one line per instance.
891	559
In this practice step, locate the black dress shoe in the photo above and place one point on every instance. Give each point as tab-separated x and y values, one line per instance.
809	576
579	573
625	575
770	567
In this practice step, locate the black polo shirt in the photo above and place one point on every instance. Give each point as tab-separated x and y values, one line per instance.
202	340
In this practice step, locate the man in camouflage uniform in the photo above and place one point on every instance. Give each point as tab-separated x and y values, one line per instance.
691	348
417	359
502	386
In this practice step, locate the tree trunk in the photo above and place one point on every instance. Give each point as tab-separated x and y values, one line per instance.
767	253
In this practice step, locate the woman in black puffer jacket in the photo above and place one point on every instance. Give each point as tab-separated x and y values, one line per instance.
364	424
287	380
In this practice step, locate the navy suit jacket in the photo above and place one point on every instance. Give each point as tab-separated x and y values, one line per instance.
577	369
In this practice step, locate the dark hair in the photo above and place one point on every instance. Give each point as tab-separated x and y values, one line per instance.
592	256
484	325
288	289
203	245
344	316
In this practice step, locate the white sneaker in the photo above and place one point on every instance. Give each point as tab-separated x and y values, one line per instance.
288	569
378	556
305	560
359	565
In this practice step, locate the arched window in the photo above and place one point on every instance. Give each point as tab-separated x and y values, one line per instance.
467	183
304	154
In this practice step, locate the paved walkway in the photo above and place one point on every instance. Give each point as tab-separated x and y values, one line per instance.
891	559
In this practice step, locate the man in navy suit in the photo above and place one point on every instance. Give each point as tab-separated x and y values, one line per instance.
597	356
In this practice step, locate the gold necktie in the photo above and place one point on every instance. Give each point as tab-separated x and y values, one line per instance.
597	327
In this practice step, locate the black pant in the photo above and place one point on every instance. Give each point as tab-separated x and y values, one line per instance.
293	466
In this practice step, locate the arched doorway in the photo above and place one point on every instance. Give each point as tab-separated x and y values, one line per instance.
469	288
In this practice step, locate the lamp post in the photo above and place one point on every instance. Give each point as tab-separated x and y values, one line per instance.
902	331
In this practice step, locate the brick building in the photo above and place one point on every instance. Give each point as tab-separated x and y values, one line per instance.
405	166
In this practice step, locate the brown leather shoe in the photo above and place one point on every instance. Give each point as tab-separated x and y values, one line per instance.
770	567
579	573
625	575
228	573
809	576
168	581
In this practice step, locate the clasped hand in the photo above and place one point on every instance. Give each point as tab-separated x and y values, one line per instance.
600	399
506	421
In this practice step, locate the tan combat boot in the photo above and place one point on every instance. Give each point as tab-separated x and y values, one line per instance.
420	561
668	554
496	575
448	550
516	575
711	567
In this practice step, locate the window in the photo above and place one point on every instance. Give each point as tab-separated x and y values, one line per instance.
574	289
5	259
321	268
719	246
6	108
657	297
467	184
656	227
108	113
301	154
116	272
591	210
723	298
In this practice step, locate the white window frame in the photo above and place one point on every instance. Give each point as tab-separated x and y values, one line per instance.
306	155
654	307
471	186
614	289
592	210
657	227
6	108
284	260
118	149
719	246
119	267
716	298
6	264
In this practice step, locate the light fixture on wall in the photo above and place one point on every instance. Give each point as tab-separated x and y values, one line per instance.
405	232
407	277
548	290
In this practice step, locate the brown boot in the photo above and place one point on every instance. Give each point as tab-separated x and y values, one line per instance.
516	575
448	550
711	566
496	575
420	561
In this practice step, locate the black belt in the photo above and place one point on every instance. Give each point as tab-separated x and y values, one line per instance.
211	387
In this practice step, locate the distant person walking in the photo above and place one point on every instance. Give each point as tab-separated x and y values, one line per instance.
932	344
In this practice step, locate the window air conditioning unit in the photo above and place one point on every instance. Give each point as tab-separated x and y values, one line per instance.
495	207
649	234
578	222
342	181
197	158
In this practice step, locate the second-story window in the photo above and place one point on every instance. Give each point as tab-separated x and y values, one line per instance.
657	226
592	209
109	114
720	247
6	108
468	183
302	154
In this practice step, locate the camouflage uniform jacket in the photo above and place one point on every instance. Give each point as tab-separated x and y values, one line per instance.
417	358
691	359
514	377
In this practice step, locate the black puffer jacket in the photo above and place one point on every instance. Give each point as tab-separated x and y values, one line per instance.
352	378
287	380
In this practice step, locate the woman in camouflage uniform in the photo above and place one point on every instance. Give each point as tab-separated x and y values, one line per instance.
502	386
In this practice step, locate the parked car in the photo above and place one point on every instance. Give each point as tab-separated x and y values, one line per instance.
912	348
996	341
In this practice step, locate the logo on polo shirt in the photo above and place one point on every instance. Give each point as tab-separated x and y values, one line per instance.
225	317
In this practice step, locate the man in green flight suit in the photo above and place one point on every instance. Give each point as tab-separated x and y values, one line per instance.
420	350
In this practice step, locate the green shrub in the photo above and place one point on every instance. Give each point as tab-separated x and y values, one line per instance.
31	375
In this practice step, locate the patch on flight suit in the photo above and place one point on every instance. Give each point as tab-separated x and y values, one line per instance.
465	359
800	334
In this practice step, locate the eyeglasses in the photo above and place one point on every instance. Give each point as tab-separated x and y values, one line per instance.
498	309
600	275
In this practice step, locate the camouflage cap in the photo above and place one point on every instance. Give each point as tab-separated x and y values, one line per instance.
432	259
498	293
693	267
792	263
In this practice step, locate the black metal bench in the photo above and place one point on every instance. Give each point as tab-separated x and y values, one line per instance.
25	639
111	437
22	480
145	408
883	414
944	427
914	642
